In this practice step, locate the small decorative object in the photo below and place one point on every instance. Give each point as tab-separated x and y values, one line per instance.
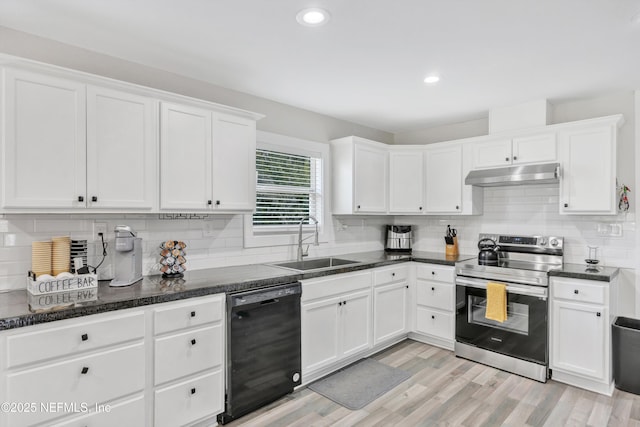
173	259
593	260
623	204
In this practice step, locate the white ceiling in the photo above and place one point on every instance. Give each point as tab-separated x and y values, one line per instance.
368	63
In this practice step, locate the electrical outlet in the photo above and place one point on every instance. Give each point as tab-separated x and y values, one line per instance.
99	227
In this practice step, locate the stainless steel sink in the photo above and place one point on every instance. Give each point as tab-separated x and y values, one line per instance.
316	264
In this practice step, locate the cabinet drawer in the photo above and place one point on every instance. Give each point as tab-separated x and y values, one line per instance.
574	290
182	315
187	353
391	274
48	342
188	401
127	413
435	272
435	323
108	375
435	295
335	285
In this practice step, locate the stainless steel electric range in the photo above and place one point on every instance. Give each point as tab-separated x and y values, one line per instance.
520	343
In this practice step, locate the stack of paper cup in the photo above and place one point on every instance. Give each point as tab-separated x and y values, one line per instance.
61	254
41	258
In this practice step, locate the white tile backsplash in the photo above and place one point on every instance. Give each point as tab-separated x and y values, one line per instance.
217	240
530	210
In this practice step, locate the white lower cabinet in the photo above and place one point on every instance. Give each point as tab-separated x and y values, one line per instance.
160	365
190	400
336	319
435	309
189	361
390	303
75	368
580	328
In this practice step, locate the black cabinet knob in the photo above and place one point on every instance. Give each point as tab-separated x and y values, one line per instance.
193	390
420	208
506	159
407	286
433	273
193	341
84	370
358	206
457	207
566	205
598	314
81	198
515	157
209	202
575	291
94	198
193	314
433	289
217	202
84	337
344	302
340	303
433	317
393	274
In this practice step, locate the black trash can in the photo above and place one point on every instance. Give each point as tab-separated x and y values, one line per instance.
626	354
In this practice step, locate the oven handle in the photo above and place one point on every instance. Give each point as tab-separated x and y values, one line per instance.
535	291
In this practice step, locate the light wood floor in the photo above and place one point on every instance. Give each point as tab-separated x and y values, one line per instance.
448	391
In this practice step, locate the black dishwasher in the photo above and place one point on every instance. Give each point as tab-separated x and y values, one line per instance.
263	348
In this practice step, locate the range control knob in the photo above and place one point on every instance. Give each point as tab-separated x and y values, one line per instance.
553	242
543	241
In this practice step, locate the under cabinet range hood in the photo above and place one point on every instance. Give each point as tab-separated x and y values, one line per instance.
547	173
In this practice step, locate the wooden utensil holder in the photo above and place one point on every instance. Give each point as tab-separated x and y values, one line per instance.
452	250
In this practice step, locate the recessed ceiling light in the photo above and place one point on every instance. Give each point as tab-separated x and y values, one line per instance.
432	79
313	17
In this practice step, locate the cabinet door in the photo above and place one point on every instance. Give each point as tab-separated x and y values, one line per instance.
406	181
578	338
320	334
588	159
489	154
444	179
185	157
355	323
234	163
44	142
390	311
370	179
121	150
534	149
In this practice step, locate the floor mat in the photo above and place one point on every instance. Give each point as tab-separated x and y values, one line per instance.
359	384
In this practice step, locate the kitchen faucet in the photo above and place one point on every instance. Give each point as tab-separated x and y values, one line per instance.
302	253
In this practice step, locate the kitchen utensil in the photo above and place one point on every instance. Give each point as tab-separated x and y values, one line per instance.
488	252
399	238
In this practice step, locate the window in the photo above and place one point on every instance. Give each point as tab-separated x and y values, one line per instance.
289	188
292	182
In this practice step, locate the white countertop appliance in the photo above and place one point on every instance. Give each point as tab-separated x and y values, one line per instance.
520	343
128	257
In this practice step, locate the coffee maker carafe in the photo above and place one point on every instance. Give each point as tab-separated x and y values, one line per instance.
128	257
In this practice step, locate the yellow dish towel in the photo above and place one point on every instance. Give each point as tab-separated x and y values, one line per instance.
496	302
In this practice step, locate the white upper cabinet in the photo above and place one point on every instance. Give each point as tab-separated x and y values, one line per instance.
504	151
444	178
185	157
207	160
406	180
44	163
588	159
121	149
234	163
360	176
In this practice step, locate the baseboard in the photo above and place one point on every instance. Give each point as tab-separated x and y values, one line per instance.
577	381
431	340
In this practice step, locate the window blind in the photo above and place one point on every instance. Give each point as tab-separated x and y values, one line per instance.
289	188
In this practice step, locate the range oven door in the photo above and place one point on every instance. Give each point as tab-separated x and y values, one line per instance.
522	335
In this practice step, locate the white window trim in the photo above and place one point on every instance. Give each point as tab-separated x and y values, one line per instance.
276	142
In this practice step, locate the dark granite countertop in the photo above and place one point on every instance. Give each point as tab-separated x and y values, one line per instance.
580	271
19	308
